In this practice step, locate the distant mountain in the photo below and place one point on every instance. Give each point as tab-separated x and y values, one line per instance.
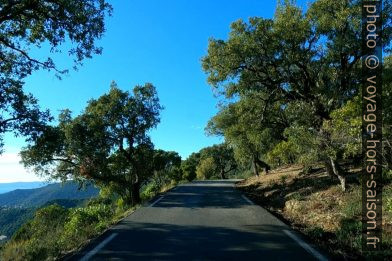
11	218
67	203
18	206
6	187
40	196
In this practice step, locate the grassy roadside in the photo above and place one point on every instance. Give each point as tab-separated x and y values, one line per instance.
56	232
315	205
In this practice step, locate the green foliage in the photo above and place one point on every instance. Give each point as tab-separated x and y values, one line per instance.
26	24
387	112
38	239
345	128
167	167
245	126
387	176
206	169
12	218
283	179
292	84
305	143
189	165
108	143
350	233
85	223
216	161
283	153
150	190
55	230
387	195
352	207
316	232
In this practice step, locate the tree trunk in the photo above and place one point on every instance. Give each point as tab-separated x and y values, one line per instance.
127	197
329	169
135	194
255	168
338	172
222	174
263	165
333	170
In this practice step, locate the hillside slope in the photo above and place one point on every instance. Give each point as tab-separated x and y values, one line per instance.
39	196
7	187
315	205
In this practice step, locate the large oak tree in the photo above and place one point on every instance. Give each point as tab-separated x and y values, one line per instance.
309	61
108	143
26	25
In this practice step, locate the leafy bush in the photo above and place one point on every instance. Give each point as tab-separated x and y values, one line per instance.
387	176
206	169
150	190
350	233
283	179
55	230
283	153
315	232
12	218
84	223
38	239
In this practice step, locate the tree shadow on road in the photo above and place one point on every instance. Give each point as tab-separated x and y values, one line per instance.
149	241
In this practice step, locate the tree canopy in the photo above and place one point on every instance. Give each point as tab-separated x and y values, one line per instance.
25	25
216	162
108	143
289	83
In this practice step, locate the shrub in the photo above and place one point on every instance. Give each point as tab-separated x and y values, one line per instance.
150	190
86	222
387	176
55	230
37	239
206	169
283	179
315	232
350	233
283	153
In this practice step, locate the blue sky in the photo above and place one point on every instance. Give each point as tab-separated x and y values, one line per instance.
158	41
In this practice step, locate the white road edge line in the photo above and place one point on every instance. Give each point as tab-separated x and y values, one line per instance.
305	246
247	200
156	201
98	247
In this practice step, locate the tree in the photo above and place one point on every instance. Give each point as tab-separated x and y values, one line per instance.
387	112
189	165
310	59
206	169
108	143
19	112
26	24
251	127
167	167
222	158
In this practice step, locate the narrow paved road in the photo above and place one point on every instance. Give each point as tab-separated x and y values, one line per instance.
207	220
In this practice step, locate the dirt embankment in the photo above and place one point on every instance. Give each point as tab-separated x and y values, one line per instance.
315	205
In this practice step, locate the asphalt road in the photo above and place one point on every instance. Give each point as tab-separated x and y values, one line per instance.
205	220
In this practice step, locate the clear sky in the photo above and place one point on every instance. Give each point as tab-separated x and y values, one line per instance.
157	41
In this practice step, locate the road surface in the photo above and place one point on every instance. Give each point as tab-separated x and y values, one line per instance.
203	220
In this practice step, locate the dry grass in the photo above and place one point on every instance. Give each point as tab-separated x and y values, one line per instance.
315	205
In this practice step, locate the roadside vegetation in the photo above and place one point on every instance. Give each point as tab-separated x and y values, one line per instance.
56	231
317	207
289	91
